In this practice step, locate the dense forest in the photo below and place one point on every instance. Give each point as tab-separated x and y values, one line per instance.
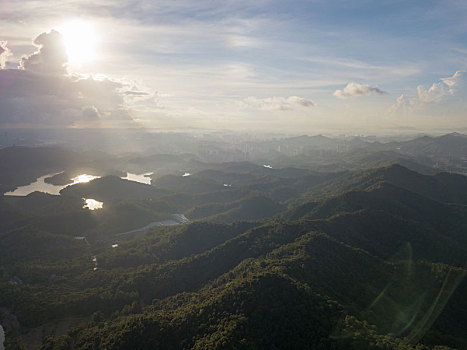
234	255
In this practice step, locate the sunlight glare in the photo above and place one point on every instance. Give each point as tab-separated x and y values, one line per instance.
80	41
84	178
92	204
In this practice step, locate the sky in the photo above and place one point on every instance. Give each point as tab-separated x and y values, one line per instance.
355	67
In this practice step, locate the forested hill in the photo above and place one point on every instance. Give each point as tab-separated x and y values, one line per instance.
371	259
440	186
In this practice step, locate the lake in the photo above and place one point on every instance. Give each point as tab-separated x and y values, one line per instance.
41	186
38	185
92	204
142	178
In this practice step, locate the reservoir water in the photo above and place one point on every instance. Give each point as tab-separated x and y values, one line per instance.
92	204
38	185
177	219
142	178
41	186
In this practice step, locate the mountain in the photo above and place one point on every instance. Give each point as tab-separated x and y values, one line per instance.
386	217
253	207
363	259
188	184
22	165
441	186
453	144
371	159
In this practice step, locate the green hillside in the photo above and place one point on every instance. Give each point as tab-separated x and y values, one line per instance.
369	259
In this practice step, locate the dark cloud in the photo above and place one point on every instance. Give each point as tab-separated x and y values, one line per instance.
136	93
31	98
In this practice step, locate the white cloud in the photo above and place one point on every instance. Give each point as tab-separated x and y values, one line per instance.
454	80
276	103
447	87
448	91
50	58
456	83
40	92
433	94
355	89
403	104
300	101
4	53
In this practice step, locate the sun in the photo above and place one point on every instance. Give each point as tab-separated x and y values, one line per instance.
80	40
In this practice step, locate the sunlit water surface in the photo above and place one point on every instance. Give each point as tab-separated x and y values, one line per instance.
38	185
83	178
92	204
142	178
41	186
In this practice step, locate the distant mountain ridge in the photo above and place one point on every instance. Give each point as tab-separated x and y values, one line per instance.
441	186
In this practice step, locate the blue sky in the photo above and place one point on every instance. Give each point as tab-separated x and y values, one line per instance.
301	66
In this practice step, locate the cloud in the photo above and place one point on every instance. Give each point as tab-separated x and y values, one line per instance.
448	91
41	93
276	103
457	83
433	94
355	90
91	113
454	80
300	101
50	58
447	87
136	93
4	53
403	104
